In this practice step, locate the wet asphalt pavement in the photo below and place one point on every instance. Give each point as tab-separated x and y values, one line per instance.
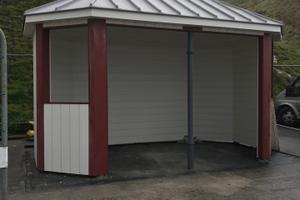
158	171
289	140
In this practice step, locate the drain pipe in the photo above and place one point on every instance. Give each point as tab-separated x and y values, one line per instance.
3	147
190	152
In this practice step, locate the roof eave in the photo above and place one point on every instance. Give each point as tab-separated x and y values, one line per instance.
109	14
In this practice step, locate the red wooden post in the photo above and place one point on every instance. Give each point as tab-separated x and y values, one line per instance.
98	105
43	88
265	95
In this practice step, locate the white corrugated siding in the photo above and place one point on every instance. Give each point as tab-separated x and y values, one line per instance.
146	106
69	65
246	91
147	85
225	88
66	138
213	87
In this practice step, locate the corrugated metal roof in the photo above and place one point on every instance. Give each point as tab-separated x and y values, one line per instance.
204	9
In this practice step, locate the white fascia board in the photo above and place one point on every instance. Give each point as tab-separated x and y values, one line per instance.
151	18
68	22
72	14
143	24
3	157
233	31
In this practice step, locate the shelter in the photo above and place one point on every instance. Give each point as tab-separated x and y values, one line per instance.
112	72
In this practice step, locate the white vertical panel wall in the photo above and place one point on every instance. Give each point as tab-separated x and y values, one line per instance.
225	88
68	65
66	138
213	87
147	89
245	79
147	85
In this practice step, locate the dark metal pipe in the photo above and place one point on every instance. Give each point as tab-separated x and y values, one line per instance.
3	57
3	47
190	153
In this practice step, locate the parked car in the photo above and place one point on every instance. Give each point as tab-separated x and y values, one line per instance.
287	105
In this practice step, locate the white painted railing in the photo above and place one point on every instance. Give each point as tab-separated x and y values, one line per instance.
66	138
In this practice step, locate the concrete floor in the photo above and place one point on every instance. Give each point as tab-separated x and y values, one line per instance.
158	171
289	140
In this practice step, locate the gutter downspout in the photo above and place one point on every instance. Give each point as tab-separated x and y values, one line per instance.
3	57
190	152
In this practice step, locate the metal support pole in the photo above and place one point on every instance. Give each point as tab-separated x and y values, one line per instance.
190	153
3	57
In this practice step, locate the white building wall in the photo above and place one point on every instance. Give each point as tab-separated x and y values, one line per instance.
138	91
147	85
213	87
66	133
66	121
225	88
245	102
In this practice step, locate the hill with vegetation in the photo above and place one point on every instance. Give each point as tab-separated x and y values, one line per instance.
286	51
20	88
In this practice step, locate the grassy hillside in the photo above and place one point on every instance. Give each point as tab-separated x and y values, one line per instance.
287	51
20	68
288	11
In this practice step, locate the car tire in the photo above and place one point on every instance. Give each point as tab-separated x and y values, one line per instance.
286	116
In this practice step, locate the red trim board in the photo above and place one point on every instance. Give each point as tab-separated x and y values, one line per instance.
42	84
265	94
98	97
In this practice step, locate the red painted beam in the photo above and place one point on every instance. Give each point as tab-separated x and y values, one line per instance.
265	95
43	87
98	97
